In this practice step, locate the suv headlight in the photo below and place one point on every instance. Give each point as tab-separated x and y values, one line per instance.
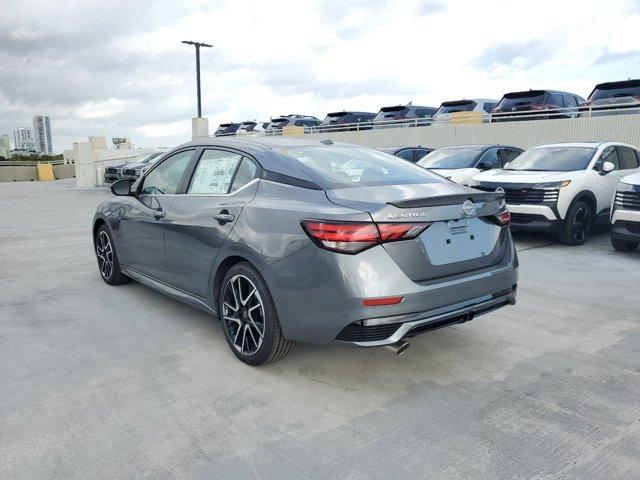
551	185
625	187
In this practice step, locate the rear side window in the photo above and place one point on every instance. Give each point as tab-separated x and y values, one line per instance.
246	172
419	154
627	158
214	172
556	99
342	167
166	177
489	106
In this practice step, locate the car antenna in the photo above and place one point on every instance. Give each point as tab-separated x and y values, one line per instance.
327	141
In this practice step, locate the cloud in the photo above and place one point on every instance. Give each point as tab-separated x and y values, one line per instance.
518	55
118	68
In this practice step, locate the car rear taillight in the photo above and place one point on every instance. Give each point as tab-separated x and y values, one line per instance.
504	218
354	237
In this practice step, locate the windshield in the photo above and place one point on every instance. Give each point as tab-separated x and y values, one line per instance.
452	107
340	167
553	159
453	157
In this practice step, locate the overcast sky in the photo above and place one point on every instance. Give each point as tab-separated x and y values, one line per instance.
117	68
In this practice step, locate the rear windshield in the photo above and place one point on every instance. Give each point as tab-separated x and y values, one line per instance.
629	88
341	167
452	107
520	99
452	157
391	112
553	159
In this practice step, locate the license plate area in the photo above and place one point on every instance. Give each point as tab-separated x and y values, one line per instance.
459	240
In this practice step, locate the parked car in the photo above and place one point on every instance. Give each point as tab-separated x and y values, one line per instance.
401	116
536	105
482	105
112	173
625	214
277	124
262	232
563	187
250	127
461	163
226	129
411	154
613	97
131	171
336	121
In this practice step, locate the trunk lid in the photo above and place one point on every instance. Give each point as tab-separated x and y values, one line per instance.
459	239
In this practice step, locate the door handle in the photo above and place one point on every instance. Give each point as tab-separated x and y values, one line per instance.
224	218
158	214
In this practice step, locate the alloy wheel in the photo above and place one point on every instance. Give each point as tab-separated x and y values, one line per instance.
581	224
243	314
104	252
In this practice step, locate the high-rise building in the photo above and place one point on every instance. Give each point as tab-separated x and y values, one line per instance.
22	137
5	146
42	134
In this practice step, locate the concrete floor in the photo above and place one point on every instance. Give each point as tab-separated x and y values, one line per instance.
122	382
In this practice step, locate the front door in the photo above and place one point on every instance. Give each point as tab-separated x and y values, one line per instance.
200	221
141	229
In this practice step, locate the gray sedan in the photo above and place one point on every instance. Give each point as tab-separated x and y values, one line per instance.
301	240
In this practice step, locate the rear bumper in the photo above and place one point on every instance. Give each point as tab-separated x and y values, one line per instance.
319	293
400	327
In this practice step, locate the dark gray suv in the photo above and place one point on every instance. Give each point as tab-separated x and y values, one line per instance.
304	240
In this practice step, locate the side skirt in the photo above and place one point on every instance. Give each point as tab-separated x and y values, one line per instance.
168	290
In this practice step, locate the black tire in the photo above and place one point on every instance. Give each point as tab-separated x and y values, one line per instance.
578	224
105	256
244	315
622	245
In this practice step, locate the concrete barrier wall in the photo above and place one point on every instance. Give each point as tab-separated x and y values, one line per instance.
64	171
18	174
524	134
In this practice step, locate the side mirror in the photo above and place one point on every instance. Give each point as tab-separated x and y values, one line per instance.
485	165
121	188
608	167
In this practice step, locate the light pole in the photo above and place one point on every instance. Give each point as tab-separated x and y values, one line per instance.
198	45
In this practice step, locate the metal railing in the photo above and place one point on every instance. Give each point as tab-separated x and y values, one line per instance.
480	117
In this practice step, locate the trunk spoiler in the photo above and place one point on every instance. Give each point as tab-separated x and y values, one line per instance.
441	200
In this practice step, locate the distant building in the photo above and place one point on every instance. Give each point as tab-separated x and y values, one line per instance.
23	139
42	134
5	146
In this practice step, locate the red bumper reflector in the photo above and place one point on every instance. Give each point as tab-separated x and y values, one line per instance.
377	302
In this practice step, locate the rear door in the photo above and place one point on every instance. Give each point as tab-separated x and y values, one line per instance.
142	226
607	182
223	181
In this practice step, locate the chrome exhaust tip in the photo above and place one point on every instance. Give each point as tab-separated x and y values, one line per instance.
398	348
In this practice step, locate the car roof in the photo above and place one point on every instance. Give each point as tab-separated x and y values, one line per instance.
477	100
488	145
539	90
265	150
584	144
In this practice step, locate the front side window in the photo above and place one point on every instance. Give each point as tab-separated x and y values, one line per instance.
553	159
406	155
609	155
214	172
627	158
341	167
491	156
165	178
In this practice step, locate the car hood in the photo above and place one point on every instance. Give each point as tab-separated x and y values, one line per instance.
634	179
513	176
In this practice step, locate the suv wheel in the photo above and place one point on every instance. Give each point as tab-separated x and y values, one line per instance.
623	245
107	258
577	225
249	318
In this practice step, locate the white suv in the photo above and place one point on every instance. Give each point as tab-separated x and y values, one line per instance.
625	214
481	105
565	187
